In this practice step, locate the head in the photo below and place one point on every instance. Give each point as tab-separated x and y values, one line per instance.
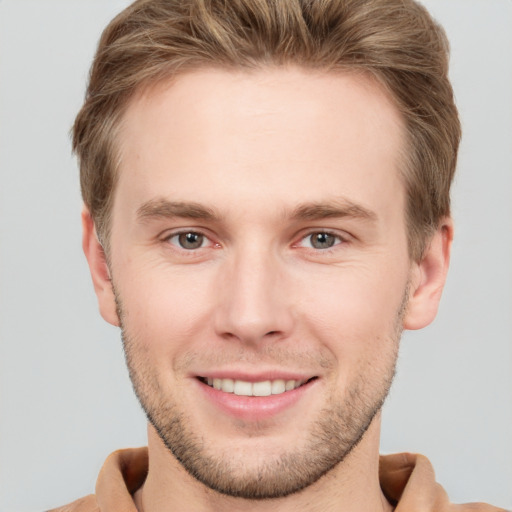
270	185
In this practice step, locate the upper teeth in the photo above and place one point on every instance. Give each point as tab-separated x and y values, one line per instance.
263	388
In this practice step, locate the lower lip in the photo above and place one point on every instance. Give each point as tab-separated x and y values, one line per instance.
254	408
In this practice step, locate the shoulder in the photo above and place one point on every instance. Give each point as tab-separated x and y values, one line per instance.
122	474
476	507
408	481
85	504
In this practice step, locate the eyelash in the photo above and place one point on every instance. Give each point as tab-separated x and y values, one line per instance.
339	240
178	234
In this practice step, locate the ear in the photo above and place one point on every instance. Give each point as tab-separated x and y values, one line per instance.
99	269
428	277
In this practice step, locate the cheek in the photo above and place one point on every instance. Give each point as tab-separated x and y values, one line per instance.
354	312
164	309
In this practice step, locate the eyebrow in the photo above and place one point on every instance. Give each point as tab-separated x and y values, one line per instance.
162	208
333	209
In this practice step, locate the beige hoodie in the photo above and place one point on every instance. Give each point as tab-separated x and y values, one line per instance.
407	480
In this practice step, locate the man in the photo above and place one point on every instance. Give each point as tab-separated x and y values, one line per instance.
266	190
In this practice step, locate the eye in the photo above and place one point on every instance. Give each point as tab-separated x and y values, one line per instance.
189	240
320	240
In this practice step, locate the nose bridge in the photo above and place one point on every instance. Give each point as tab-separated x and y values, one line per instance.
252	302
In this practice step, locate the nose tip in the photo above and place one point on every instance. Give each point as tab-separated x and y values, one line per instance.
251	332
252	319
253	305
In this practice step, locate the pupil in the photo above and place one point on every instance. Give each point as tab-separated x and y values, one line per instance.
191	240
322	240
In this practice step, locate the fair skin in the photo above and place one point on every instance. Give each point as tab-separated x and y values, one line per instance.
258	237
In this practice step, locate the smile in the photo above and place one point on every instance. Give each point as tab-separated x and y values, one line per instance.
262	388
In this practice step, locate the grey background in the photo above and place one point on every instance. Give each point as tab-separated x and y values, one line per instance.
66	401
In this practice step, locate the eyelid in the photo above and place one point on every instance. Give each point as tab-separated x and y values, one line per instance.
342	238
169	234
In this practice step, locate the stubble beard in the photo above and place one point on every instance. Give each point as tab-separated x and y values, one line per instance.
337	431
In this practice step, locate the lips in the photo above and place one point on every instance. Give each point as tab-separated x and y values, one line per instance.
254	398
259	388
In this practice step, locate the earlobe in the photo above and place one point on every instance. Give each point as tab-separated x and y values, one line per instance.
428	277
100	274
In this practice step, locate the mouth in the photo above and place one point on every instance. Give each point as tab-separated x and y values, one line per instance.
255	389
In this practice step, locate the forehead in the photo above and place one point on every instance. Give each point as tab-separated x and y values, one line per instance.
278	132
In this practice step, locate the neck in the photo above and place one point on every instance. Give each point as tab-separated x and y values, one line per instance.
351	485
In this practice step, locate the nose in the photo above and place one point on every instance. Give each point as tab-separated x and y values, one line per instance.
253	300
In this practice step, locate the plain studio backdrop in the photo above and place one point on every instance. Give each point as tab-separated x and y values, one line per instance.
66	401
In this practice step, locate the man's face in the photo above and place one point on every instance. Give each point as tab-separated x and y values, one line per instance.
259	246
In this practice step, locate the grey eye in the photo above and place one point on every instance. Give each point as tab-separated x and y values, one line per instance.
322	240
190	240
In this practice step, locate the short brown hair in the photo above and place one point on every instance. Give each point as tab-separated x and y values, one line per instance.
396	41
